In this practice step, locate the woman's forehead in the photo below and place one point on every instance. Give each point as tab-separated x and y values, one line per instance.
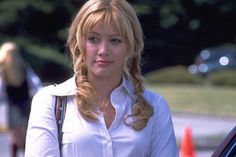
107	26
113	28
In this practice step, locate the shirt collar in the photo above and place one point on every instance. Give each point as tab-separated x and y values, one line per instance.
69	87
128	86
66	88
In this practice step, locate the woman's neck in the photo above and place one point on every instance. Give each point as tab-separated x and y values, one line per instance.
104	86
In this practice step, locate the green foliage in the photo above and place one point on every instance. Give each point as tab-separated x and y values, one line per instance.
169	14
39	27
142	8
50	64
172	26
176	74
223	78
180	75
41	51
12	11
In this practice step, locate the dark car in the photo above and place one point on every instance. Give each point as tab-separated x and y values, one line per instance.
214	59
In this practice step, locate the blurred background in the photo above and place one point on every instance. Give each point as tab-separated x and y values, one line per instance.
189	55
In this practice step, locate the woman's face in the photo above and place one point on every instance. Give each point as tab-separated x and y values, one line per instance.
105	52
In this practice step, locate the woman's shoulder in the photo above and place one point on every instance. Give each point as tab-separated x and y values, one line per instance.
157	100
46	95
66	88
152	96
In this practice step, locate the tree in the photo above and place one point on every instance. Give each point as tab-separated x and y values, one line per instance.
175	30
39	27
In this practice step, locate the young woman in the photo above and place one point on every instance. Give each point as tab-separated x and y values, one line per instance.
17	87
108	113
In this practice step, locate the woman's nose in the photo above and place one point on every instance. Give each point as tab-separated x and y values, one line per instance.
103	50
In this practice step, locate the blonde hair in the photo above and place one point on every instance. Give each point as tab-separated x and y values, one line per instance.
125	19
11	64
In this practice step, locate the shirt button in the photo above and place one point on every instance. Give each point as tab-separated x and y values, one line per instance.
108	140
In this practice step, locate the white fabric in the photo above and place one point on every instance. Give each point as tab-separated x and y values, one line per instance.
83	138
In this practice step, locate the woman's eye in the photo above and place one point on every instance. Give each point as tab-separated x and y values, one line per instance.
116	41
93	39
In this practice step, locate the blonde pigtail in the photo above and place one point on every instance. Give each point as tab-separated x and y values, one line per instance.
84	94
142	110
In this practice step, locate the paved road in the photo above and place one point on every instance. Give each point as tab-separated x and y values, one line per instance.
203	125
207	131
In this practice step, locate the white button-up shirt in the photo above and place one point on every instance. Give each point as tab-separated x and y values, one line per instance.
83	138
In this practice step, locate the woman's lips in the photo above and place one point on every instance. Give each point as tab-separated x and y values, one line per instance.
103	62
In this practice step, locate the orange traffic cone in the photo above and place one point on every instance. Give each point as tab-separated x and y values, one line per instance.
187	146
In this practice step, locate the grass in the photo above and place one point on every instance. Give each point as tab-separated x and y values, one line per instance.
199	99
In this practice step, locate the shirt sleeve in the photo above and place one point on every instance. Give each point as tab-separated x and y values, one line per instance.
41	138
163	142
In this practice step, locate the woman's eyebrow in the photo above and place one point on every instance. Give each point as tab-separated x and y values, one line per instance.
93	32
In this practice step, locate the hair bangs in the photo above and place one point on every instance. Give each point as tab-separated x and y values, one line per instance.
91	21
121	24
108	15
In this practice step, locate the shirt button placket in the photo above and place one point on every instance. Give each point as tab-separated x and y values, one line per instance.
108	151
106	139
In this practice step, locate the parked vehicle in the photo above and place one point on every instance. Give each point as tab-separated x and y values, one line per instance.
214	59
